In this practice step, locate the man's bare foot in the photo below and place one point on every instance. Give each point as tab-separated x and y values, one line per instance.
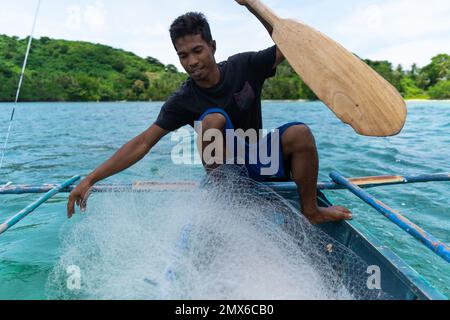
330	214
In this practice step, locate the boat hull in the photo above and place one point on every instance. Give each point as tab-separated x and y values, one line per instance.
398	280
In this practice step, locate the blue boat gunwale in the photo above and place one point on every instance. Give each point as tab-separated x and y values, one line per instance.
408	275
419	288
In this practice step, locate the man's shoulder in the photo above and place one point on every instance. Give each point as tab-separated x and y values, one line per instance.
240	57
249	56
181	95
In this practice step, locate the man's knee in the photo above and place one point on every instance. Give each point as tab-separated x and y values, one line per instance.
298	137
214	121
211	131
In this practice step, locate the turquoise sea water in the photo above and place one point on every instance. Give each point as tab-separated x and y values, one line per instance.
51	142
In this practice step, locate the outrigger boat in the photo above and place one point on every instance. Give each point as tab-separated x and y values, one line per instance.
400	281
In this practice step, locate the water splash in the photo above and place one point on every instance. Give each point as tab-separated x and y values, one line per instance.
235	239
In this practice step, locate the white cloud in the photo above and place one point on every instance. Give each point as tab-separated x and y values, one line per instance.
401	31
405	31
73	20
9	22
398	18
94	16
419	52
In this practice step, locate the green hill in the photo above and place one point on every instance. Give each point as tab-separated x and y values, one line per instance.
61	70
429	82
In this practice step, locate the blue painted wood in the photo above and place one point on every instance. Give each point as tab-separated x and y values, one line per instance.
286	186
369	182
398	279
426	238
31	207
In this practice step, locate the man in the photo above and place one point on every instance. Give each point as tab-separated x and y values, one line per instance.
222	96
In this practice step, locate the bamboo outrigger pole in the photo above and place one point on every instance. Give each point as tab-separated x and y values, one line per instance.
149	186
437	246
33	206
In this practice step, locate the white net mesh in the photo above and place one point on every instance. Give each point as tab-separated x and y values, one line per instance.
236	239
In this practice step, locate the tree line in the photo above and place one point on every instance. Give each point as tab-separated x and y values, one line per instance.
429	82
60	70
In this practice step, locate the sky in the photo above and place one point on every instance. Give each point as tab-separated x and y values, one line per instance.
401	31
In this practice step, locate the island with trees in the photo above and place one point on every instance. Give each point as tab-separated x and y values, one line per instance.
61	70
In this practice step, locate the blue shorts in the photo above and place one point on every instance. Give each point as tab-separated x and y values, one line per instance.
255	170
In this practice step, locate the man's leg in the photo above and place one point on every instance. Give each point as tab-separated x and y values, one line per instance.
299	148
211	121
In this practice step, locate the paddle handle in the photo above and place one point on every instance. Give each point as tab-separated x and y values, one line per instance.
262	10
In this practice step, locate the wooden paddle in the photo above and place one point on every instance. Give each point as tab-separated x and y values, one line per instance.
357	94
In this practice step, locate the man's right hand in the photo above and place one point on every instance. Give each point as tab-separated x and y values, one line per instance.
79	195
133	151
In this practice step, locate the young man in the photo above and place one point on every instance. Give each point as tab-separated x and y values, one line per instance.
222	96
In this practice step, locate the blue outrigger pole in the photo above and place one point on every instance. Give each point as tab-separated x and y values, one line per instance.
31	207
426	238
143	186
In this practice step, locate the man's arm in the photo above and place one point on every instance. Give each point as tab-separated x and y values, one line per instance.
125	157
279	55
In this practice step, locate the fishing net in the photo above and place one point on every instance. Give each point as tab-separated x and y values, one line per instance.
233	238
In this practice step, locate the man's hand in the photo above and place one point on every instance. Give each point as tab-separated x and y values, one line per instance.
133	151
79	195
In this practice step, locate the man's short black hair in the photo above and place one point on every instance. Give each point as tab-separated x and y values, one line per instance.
191	23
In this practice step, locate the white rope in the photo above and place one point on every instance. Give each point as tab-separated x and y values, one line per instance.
20	83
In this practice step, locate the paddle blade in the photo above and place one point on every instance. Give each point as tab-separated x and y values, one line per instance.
357	94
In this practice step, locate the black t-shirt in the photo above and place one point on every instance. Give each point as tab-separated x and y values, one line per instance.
238	93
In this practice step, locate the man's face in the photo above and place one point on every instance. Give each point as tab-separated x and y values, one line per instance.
196	56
